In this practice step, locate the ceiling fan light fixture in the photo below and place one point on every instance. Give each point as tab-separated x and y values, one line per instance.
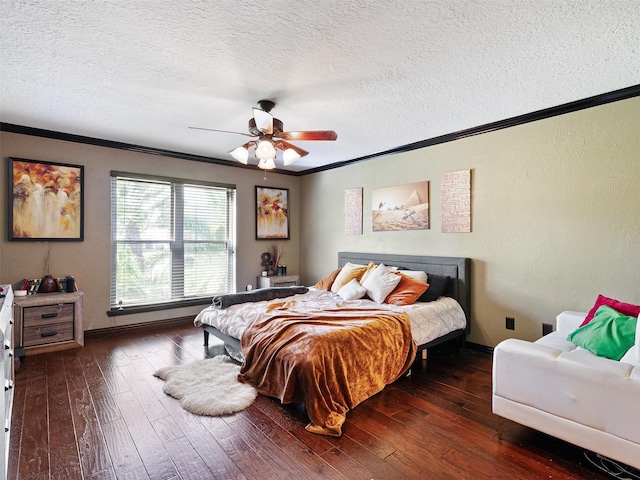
241	154
267	164
289	156
266	150
269	137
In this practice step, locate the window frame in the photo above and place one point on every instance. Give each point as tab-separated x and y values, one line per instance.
177	243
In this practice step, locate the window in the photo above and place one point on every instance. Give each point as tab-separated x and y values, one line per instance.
172	241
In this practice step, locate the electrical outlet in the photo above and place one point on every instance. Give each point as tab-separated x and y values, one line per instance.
547	328
510	323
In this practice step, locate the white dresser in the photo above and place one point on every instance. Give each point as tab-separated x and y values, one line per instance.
6	366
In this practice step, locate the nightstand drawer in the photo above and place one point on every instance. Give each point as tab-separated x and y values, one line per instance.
278	281
50	333
286	284
48	314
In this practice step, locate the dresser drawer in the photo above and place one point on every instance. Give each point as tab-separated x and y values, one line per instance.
48	314
49	333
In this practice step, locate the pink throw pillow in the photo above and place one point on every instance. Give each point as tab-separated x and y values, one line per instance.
627	309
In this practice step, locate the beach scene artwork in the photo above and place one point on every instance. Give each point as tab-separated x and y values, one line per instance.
403	207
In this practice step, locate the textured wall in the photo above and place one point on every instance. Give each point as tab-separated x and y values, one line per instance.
89	261
555	216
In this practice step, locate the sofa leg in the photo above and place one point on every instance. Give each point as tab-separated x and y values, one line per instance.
206	338
500	429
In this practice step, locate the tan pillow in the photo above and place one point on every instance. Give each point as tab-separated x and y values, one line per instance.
407	291
348	273
326	282
370	268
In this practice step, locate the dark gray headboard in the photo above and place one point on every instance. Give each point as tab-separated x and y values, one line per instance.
458	268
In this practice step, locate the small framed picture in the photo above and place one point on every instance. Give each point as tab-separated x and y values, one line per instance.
46	201
272	213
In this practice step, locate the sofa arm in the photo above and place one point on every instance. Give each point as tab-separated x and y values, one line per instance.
568	321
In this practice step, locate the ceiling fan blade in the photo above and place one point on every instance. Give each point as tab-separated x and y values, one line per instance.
223	131
264	121
309	135
282	145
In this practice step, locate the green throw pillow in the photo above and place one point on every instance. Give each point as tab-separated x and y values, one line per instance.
610	334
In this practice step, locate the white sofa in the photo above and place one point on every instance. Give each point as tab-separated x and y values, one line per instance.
567	392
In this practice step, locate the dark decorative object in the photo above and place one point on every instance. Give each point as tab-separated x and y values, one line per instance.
266	261
48	284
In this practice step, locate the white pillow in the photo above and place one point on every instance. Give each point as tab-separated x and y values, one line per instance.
352	290
417	274
348	272
380	283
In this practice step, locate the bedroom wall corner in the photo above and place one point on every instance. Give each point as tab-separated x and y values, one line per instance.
555	220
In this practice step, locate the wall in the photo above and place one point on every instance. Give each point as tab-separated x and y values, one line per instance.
555	216
89	261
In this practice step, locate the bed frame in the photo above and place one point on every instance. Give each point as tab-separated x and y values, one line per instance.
457	268
459	288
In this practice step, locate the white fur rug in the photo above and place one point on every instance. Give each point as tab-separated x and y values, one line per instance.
208	387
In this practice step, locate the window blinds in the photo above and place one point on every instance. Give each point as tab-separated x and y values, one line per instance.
171	240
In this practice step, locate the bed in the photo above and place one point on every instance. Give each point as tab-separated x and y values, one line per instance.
323	351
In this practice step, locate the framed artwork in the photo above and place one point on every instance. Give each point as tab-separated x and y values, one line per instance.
353	211
455	202
46	201
405	207
272	213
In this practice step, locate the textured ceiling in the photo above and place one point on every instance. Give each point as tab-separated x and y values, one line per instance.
381	74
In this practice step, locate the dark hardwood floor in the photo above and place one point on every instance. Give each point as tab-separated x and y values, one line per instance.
98	413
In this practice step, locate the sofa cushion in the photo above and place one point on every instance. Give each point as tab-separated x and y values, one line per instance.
610	334
622	307
557	340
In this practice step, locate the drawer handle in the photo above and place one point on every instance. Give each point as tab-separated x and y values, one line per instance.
48	334
49	315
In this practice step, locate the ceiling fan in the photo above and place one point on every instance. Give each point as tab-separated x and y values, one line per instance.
270	137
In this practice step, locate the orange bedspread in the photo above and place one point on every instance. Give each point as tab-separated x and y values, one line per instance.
331	360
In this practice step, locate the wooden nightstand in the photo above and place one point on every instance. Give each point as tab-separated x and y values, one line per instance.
278	281
47	322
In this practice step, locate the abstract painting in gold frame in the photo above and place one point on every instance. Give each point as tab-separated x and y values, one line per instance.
272	213
46	201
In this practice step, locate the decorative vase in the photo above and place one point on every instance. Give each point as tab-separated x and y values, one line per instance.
48	285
